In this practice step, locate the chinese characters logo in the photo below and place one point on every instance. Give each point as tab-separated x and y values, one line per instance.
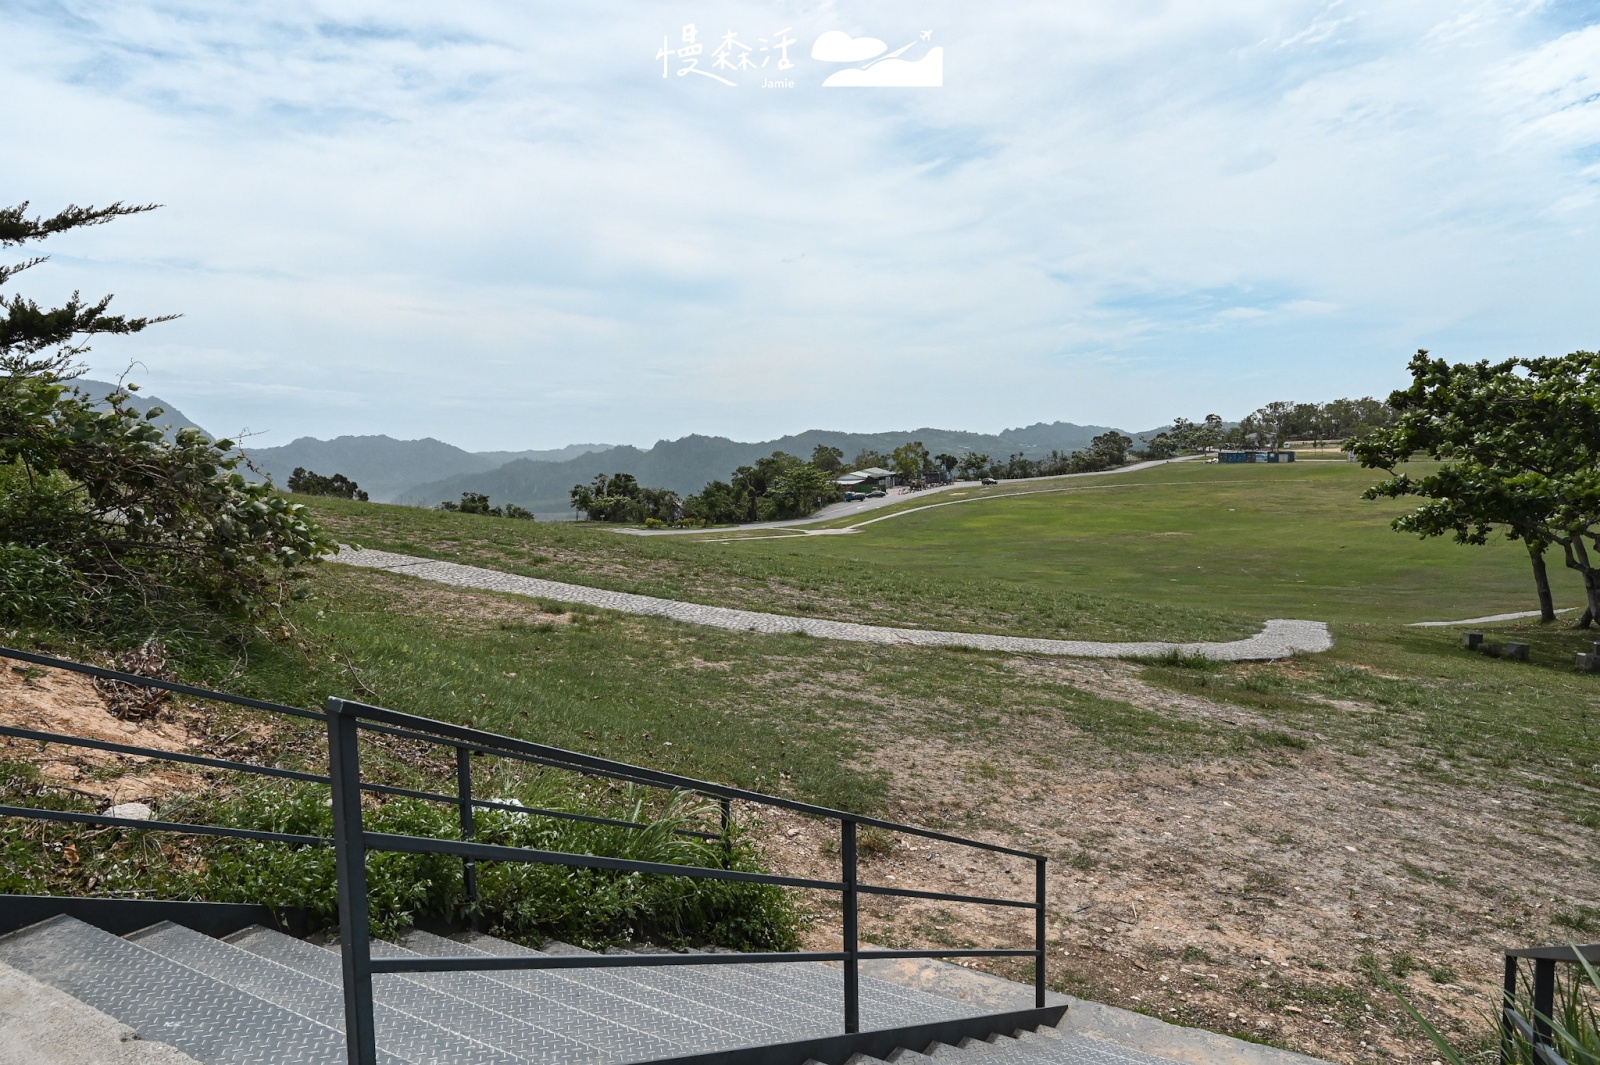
855	62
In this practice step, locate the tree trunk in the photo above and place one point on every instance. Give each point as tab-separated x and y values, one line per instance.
1578	559
1541	581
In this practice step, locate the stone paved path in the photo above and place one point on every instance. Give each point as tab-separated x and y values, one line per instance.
1279	639
1485	618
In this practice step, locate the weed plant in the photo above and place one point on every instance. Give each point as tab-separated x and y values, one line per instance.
1574	1025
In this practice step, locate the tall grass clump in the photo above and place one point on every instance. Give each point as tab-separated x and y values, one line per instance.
1574	1025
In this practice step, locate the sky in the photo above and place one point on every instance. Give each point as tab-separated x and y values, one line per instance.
519	226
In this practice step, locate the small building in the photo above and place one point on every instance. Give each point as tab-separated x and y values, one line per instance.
871	477
1271	455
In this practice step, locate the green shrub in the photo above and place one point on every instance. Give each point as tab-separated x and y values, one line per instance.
524	901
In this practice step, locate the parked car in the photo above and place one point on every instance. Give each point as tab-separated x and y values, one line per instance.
876	493
851	497
988	480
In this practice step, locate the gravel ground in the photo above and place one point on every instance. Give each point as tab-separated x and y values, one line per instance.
1279	639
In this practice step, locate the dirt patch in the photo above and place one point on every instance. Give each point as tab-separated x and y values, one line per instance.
468	610
1270	898
52	700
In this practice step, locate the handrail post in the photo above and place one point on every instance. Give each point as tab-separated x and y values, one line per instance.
727	840
852	942
350	856
1510	1000
1038	933
469	868
1544	999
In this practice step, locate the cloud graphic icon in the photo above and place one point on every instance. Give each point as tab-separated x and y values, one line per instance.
924	73
837	46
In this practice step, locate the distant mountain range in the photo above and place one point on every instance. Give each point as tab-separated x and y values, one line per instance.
427	471
686	464
388	469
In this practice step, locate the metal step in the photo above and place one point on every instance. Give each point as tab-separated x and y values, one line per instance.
475	1020
162	1000
624	1019
400	1033
684	1003
821	988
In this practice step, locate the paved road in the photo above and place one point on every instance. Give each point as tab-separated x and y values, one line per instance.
1279	639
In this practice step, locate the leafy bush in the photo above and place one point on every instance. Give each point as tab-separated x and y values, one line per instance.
587	906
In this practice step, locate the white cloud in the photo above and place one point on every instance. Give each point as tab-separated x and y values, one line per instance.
924	73
504	228
836	46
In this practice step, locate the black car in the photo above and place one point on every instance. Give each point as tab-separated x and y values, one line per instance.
988	480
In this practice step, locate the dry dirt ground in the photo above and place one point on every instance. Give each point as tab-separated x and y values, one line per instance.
1268	899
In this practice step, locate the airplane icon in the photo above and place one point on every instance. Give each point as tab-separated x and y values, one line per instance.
927	35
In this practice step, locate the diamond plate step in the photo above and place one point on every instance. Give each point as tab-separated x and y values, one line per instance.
172	1003
475	1020
626	1021
407	1036
820	989
686	1003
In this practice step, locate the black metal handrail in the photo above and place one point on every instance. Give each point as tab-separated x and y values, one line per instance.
1538	1032
346	719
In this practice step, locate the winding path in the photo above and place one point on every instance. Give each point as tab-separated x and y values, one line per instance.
1279	639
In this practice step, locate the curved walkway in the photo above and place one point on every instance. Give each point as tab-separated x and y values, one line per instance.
1484	619
1279	639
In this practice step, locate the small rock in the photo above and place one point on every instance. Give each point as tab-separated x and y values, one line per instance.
131	811
792	833
1291	1009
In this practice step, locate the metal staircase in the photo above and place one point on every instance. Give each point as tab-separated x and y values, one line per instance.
259	997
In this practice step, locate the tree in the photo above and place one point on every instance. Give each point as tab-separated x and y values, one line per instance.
909	460
974	465
867	458
307	482
1110	449
103	520
827	459
947	463
1519	441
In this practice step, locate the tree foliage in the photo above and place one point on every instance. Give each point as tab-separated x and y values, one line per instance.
1519	447
308	482
621	498
104	522
775	488
478	503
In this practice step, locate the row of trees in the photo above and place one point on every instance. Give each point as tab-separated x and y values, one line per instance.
776	488
478	503
1273	425
308	482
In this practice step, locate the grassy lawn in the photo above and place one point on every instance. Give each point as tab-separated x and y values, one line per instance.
1183	551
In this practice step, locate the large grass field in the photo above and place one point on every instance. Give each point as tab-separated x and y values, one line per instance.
1181	551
